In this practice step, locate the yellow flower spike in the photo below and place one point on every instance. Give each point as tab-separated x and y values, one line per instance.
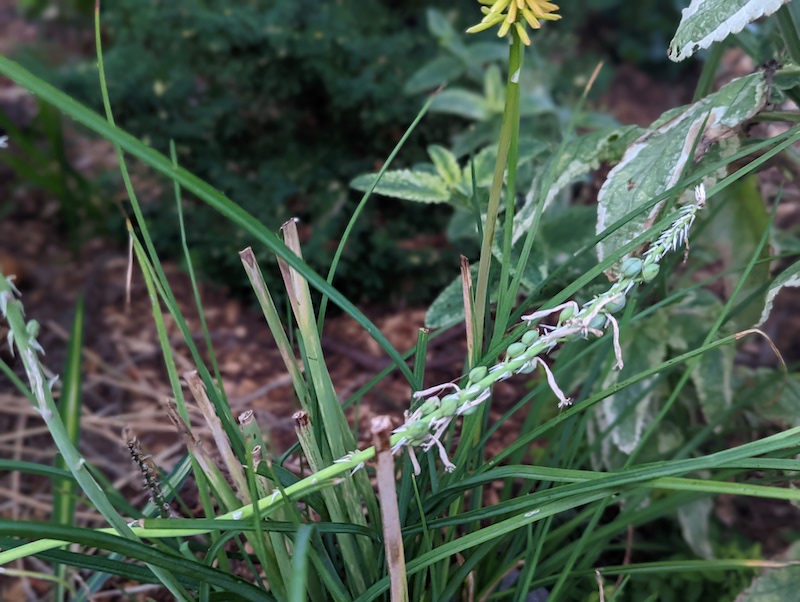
532	21
519	13
503	29
483	26
499	6
543	10
512	13
523	35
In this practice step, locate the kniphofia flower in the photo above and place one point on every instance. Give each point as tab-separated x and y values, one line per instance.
516	13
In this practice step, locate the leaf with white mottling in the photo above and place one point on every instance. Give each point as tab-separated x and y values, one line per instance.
432	75
654	163
689	322
704	22
448	308
779	585
406	184
789	277
784	396
580	156
740	217
457	101
694	519
446	164
643	346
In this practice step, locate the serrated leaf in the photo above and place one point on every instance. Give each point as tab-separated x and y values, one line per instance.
433	74
790	277
694	519
485	160
779	585
535	269
457	101
405	184
448	308
487	52
446	164
493	87
712	378
644	345
438	25
484	163
734	233
704	22
462	226
580	156
654	163
783	394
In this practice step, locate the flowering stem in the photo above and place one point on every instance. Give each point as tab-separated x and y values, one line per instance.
509	131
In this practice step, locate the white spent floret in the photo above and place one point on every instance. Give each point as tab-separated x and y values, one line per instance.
436	389
700	194
617	347
543	313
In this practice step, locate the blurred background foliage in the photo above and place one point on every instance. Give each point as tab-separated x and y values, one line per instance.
279	104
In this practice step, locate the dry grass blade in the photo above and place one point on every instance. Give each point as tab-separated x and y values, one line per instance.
381	429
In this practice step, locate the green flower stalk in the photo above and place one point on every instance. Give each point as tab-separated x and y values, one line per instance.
425	426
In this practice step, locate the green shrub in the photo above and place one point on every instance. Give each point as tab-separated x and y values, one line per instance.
276	104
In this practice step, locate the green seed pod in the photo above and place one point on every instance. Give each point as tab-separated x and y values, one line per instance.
472	392
598	322
429	407
449	405
33	329
631	267
478	373
616	305
530	337
650	271
416	431
516	349
566	314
